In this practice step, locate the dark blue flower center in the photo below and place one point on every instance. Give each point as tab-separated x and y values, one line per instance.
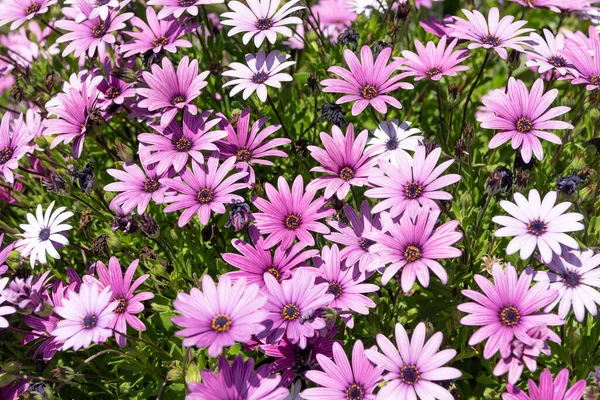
260	77
412	253
335	289
557	61
122	307
413	190
187	3
491	40
524	125
346	173
89	321
292	222
151	185
537	227
392	143
595	80
99	30
44	234
160	41
5	155
369	92
205	196
264	23
177	100
433	71
366	243
510	316
183	145
355	392
571	279
290	312
410	374
32	8
221	323
243	155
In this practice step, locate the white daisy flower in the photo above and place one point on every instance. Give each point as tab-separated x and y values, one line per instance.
42	233
392	140
367	6
5	310
538	224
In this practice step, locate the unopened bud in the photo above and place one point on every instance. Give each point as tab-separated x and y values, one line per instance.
16	93
125	74
124	153
51	79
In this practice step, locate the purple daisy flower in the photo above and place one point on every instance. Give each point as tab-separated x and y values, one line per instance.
238	381
551	4
414	366
537	223
87	317
14	144
367	83
114	89
344	161
219	316
100	8
259	72
357	248
250	145
157	35
122	289
176	144
413	184
290	215
170	91
293	307
545	53
204	189
507	309
548	389
20	11
436	27
261	19
137	186
255	260
341	381
178	7
523	117
5	252
433	62
575	275
495	33
346	284
586	62
413	245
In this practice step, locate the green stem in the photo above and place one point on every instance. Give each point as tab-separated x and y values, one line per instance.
479	75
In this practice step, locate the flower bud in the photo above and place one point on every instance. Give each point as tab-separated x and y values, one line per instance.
127	75
124	153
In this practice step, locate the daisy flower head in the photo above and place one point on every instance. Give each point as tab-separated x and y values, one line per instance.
4	310
42	233
204	189
436	27
433	62
178	7
414	366
545	53
586	62
551	4
248	144
413	184
261	19
495	33
359	381
367	82
367	7
575	275
86	317
548	389
294	308
259	72
344	161
536	223
392	139
15	138
219	315
507	309
114	89
89	9
171	90
290	215
17	12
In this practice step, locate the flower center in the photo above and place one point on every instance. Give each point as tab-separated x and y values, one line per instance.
99	30
32	8
187	3
183	145
44	234
113	92
290	312
292	222
491	40
557	61
595	79
205	196
221	323
160	41
335	289
537	227
412	253
177	99
346	173
392	144
413	190
89	321
354	392
433	71
275	272
102	2
369	92
524	125
260	77
243	155
366	243
530	3
123	303
5	155
410	374
571	279
510	316
264	23
151	185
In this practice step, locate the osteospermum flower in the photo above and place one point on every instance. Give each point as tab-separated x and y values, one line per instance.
4	310
87	317
344	162
177	144
259	72
204	189
586	63
575	275
392	139
178	7
367	82
551	4
414	366
413	184
238	381
346	284
14	144
261	19
43	233
544	53
157	35
122	289
114	89
413	245
523	117
99	8
219	316
287	216
547	388
293	307
495	33
255	260
20	11
356	381
433	62
170	91
535	223
250	145
507	309
367	6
